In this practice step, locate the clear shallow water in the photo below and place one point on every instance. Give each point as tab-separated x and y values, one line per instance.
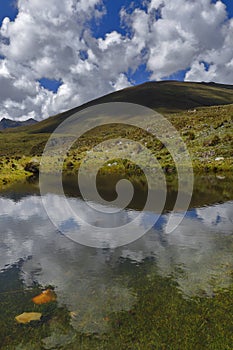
94	283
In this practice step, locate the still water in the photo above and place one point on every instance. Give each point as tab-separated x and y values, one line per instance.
137	296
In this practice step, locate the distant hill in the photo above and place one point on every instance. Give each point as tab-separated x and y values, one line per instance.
8	123
164	97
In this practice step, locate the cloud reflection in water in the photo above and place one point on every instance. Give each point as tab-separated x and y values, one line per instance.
86	279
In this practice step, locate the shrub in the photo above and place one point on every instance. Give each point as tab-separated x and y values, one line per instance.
190	135
213	142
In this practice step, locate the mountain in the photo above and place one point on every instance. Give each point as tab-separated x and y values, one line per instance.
164	97
201	112
8	123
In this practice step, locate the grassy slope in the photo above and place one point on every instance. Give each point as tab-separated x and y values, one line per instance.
207	131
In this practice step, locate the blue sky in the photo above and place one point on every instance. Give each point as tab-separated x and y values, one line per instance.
53	58
110	22
7	9
229	4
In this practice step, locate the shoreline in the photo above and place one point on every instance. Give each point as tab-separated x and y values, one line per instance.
10	176
207	134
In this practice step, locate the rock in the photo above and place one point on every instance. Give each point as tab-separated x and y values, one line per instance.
220	177
219	158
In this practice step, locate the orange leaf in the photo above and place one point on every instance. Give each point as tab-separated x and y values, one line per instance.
45	297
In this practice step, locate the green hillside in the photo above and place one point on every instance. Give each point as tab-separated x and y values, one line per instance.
202	113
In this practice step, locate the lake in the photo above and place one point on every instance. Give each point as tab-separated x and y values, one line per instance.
163	291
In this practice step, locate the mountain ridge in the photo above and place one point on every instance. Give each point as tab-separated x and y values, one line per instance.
164	97
6	123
